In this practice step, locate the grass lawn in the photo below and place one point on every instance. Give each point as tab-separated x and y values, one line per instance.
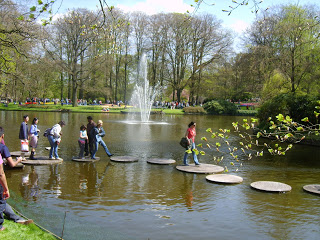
16	231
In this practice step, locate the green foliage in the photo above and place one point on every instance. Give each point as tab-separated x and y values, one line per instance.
194	110
220	107
297	107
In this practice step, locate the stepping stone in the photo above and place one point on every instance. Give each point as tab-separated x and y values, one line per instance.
224	178
202	168
124	159
313	188
270	186
86	159
42	160
48	148
161	161
18	153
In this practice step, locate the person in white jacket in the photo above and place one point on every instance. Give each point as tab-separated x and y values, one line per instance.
54	138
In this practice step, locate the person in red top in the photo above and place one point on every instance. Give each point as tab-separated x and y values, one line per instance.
190	135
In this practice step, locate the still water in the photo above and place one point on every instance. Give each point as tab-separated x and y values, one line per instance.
109	200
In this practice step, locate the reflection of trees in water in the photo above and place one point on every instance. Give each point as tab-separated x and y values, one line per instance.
29	187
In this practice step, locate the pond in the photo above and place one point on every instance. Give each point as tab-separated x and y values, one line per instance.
110	200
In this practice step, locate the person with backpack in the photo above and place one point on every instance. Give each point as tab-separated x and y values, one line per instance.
54	138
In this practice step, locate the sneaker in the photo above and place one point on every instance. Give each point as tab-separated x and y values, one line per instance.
57	158
51	158
25	222
185	164
110	155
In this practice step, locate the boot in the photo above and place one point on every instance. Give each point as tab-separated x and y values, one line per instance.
32	156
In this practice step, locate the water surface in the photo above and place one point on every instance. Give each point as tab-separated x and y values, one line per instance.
109	200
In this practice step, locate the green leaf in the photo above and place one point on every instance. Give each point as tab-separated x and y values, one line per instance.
31	16
218	144
306	119
202	153
33	9
300	128
209	130
199	145
204	139
280	117
40	2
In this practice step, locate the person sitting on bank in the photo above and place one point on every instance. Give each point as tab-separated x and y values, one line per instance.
54	138
98	133
5	153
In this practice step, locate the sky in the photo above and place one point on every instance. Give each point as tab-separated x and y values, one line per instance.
238	21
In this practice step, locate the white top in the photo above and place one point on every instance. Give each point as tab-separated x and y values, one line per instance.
55	131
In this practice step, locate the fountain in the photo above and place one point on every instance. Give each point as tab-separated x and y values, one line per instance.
144	95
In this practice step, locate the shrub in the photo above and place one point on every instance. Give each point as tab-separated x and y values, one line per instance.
194	110
220	107
297	107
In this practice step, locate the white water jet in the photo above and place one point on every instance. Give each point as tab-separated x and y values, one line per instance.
144	95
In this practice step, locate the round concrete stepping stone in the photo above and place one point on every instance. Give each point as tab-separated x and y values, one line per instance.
86	159
124	159
42	160
313	188
202	168
161	161
48	148
18	153
270	186
224	178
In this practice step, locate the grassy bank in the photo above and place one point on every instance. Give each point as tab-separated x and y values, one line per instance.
15	231
96	109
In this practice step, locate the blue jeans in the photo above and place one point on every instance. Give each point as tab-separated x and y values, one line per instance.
54	146
2	206
96	146
10	214
195	159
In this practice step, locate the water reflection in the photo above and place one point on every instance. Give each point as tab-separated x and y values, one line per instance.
29	187
126	198
54	181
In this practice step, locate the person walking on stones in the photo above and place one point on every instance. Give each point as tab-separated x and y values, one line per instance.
33	134
98	133
23	133
82	140
54	138
190	135
90	141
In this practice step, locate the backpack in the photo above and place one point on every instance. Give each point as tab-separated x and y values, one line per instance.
47	132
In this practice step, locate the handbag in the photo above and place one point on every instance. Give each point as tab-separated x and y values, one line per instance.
184	142
24	146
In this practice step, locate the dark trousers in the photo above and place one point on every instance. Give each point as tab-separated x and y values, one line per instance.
89	146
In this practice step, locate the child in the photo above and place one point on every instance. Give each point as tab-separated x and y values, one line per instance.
82	140
33	134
